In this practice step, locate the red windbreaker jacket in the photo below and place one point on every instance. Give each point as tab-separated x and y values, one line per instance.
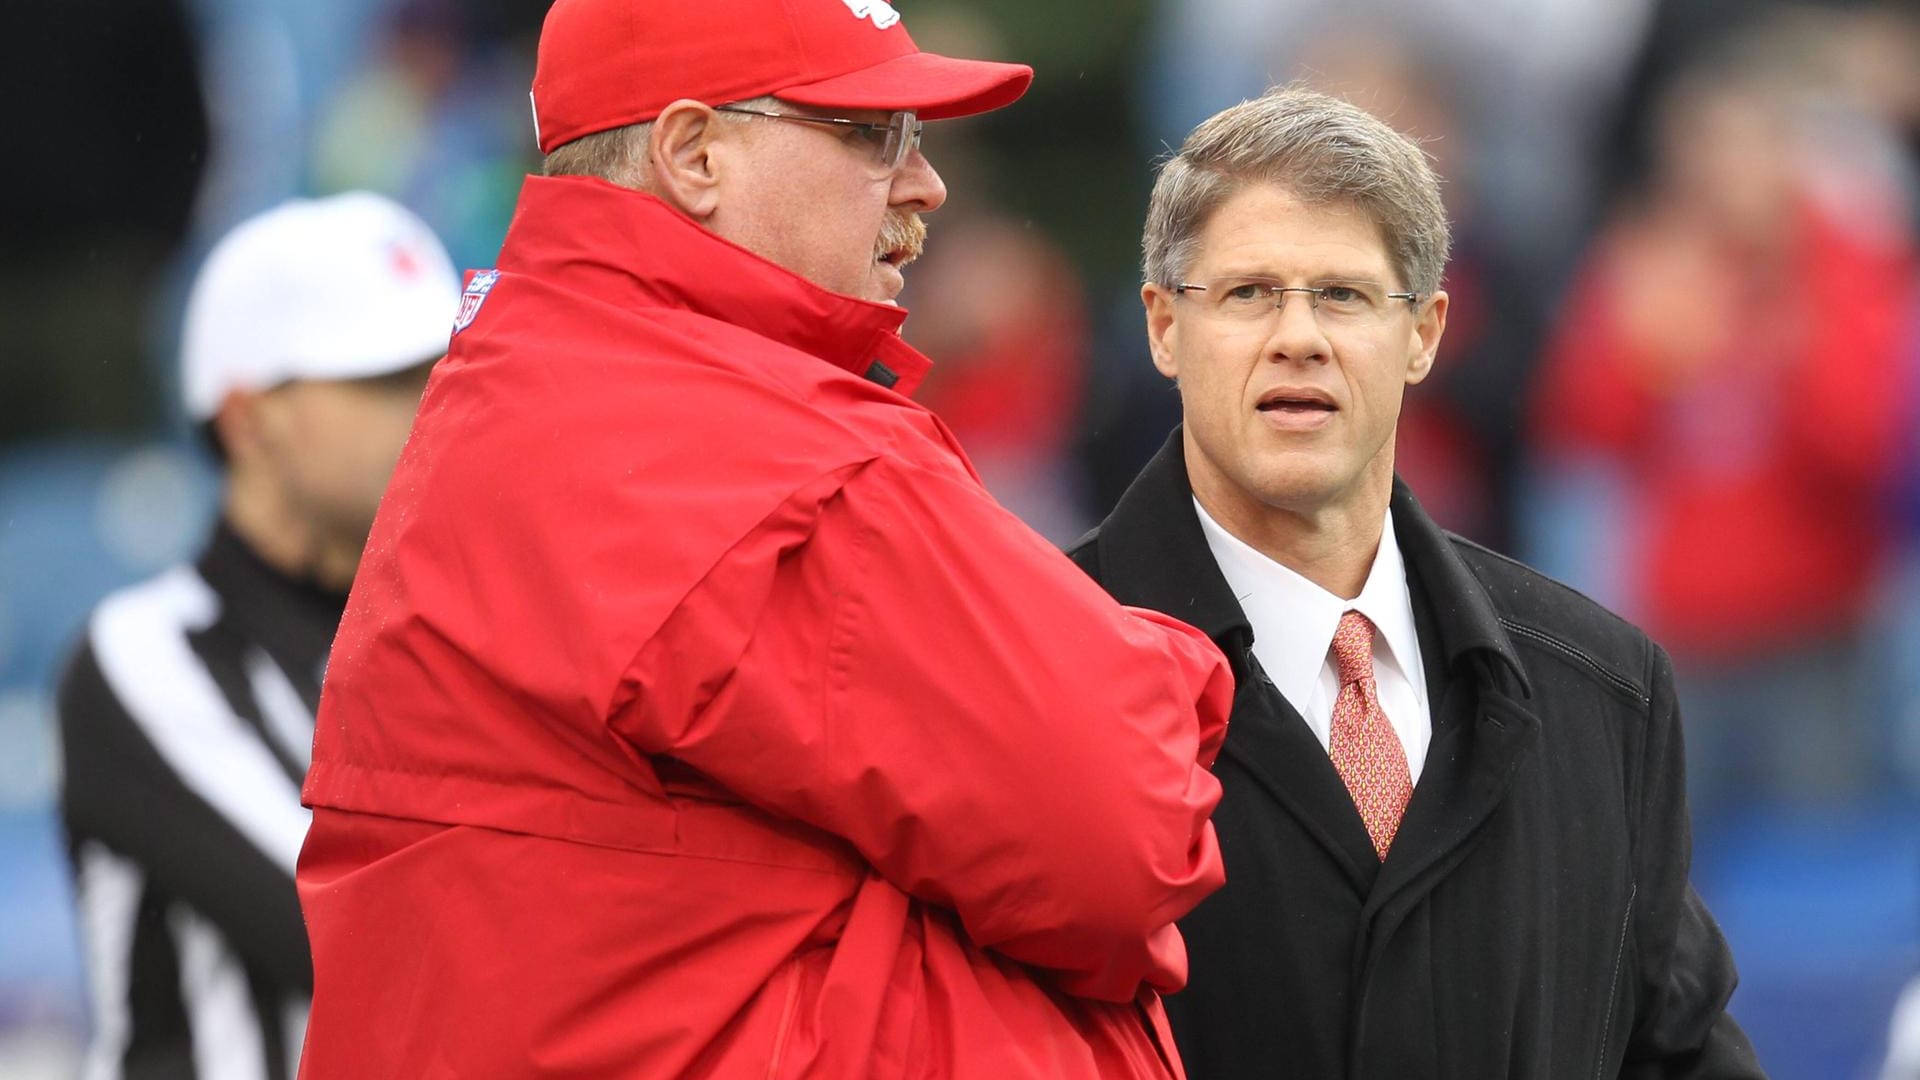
697	713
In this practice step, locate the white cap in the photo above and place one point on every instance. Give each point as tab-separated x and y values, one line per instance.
346	287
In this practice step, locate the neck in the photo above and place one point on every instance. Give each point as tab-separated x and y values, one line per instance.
261	518
1331	545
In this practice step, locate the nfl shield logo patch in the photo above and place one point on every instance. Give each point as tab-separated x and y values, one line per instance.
476	294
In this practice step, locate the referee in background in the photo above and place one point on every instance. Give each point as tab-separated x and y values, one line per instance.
186	715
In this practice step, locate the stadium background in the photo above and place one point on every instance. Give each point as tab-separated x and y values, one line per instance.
142	131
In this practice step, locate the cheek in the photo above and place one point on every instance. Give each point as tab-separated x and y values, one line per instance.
1382	392
355	451
1214	378
387	431
830	250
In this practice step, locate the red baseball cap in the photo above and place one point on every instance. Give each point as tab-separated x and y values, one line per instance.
608	63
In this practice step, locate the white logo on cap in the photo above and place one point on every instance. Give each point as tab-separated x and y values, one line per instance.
879	11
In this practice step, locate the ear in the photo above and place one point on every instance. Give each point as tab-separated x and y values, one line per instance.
1158	302
1430	324
680	160
239	424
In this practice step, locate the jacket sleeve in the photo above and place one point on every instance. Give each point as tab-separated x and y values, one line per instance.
902	663
1685	970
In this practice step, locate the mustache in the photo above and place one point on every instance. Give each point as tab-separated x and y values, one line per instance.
902	232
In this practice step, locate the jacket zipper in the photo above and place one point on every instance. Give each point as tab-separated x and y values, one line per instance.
787	1011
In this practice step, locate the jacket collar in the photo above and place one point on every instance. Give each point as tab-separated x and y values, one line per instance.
1464	617
630	249
1153	554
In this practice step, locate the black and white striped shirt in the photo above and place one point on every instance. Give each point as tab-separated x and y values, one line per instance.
187	725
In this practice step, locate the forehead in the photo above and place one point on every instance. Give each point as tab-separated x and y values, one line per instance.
1264	229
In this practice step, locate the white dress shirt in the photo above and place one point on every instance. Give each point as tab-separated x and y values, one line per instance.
1293	622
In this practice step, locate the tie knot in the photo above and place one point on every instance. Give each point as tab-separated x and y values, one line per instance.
1353	647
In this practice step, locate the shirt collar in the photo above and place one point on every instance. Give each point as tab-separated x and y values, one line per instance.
1294	619
629	248
1388	601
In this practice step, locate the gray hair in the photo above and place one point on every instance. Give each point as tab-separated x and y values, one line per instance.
619	155
1319	149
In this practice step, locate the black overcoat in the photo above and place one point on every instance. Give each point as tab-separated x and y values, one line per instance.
1533	917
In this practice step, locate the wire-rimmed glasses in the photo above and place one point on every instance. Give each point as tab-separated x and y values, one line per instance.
892	139
1252	299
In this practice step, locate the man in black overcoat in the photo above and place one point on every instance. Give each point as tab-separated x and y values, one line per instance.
1454	822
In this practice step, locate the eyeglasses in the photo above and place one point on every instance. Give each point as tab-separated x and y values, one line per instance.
892	139
1347	303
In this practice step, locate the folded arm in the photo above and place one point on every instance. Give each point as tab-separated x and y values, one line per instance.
897	660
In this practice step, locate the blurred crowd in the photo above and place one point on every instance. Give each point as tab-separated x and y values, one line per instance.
1682	373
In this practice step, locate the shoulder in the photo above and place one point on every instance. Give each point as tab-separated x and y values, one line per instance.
1085	552
1152	531
1564	626
136	623
134	657
136	644
665	392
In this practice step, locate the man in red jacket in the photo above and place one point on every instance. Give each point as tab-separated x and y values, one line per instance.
696	712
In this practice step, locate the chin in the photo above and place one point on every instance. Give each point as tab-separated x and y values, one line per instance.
1291	482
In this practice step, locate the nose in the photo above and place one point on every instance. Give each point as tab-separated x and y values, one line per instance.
917	187
1295	332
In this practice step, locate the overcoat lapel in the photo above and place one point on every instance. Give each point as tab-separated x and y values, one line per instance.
1153	554
1482	726
1270	740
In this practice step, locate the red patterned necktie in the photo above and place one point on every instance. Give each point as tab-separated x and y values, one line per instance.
1365	751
